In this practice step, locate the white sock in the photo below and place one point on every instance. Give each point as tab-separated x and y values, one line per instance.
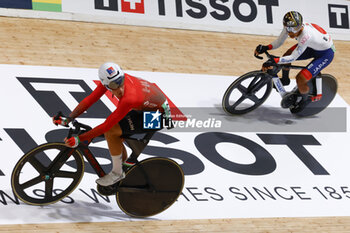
117	164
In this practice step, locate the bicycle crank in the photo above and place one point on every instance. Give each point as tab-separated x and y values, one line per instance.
108	190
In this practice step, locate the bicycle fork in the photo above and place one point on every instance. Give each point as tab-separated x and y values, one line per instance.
279	86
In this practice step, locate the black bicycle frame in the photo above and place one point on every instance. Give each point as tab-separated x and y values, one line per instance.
92	160
136	145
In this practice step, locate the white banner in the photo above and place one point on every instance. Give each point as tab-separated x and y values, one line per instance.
261	17
238	16
227	174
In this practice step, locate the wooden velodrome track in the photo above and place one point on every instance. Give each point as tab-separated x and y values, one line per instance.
78	44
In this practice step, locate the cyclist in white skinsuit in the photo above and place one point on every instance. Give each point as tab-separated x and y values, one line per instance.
313	42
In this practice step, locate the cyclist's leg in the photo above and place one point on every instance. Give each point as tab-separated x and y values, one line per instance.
117	151
116	147
114	140
305	75
321	61
129	125
303	78
291	98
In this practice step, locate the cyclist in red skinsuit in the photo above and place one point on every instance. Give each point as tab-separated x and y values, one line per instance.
135	95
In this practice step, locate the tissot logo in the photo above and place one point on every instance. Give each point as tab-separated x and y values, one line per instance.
243	10
133	6
338	16
63	94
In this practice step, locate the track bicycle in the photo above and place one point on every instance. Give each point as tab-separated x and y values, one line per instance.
51	171
252	89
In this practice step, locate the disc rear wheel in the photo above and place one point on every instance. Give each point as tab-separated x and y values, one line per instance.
150	187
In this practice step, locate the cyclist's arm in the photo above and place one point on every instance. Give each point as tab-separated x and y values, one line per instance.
114	118
280	40
297	52
88	101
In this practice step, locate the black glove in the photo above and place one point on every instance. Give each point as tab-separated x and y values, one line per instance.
261	48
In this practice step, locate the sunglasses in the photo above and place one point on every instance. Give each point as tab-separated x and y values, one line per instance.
115	84
293	29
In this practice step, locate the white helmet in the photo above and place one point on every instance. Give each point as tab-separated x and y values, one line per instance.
111	75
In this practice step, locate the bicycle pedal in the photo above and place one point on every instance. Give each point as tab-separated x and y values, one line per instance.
300	106
108	190
288	100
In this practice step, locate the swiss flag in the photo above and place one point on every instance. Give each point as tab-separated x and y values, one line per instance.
134	6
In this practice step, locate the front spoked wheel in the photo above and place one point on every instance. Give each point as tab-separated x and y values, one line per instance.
150	187
47	174
247	93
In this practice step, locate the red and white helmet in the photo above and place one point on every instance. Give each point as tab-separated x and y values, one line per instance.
111	75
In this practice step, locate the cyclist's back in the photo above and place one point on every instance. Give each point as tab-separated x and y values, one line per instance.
141	94
315	37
